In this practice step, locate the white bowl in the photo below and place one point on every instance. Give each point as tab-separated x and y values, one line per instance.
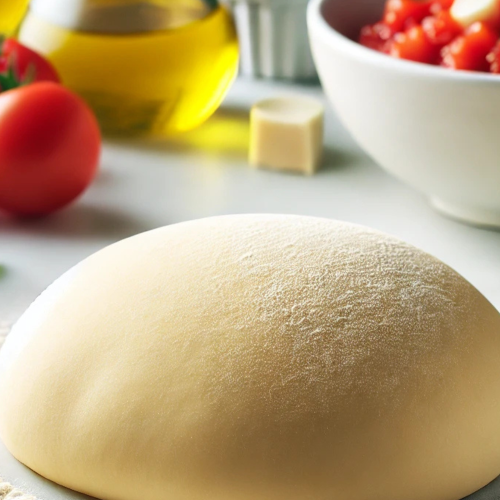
436	129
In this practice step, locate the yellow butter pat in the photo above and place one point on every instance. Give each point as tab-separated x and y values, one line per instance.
287	134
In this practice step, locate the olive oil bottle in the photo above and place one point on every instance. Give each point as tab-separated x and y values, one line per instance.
145	67
11	13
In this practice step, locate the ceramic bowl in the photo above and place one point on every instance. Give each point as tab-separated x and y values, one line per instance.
436	129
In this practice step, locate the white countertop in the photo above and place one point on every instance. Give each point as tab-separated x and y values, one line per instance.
144	185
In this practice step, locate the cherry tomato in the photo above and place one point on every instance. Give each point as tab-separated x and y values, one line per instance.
441	28
26	64
413	45
401	14
469	51
49	148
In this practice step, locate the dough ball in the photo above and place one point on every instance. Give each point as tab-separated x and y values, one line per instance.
257	358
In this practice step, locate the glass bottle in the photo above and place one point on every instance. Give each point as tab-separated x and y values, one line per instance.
11	12
144	66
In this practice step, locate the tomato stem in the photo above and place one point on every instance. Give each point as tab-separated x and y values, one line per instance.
10	78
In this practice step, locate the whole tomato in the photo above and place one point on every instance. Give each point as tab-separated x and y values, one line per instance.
21	65
49	148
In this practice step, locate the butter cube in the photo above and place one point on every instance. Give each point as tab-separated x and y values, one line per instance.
287	134
467	12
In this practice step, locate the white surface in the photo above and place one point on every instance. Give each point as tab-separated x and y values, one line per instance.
205	173
437	129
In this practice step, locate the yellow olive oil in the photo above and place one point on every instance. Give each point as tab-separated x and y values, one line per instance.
157	82
11	13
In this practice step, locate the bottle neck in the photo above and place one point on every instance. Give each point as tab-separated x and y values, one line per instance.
122	16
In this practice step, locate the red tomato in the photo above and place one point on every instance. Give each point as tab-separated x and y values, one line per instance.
414	46
375	36
493	59
469	51
49	148
26	64
441	29
401	14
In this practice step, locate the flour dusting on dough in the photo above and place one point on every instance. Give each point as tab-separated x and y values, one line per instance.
257	357
8	492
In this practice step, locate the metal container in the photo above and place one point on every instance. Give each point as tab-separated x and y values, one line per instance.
273	39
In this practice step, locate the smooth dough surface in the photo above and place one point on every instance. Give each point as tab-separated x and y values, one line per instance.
257	358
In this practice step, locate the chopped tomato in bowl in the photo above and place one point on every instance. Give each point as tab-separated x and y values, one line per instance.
454	34
433	127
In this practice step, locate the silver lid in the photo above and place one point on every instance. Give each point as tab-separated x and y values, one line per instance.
122	16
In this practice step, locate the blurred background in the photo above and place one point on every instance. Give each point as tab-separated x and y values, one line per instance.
171	84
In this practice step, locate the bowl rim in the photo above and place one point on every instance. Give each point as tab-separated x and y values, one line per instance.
318	26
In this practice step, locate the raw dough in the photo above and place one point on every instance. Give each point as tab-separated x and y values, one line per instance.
257	358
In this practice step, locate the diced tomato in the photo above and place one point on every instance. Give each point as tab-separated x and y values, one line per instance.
414	45
469	51
375	36
399	13
440	5
493	59
425	31
409	24
441	28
